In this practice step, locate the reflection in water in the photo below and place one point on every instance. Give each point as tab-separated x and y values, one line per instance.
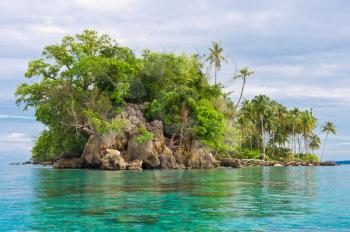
185	199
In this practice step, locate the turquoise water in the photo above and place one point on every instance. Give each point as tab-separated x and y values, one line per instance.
265	199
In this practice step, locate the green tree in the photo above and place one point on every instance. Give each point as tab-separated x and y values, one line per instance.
274	128
76	87
210	122
328	128
215	57
314	142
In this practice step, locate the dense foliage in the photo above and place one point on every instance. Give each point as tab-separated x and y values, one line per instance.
274	130
80	85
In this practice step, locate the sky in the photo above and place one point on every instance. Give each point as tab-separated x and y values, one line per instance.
299	50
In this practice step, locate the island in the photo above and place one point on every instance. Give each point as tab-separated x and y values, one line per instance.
104	107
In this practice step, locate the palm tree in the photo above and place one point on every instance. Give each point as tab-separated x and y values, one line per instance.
328	128
308	124
314	142
243	73
261	107
295	115
215	57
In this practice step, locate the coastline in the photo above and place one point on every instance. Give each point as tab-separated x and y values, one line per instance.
237	163
227	163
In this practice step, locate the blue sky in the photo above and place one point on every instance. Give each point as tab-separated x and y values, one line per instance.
299	49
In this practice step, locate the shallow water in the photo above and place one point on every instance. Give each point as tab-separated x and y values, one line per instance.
279	198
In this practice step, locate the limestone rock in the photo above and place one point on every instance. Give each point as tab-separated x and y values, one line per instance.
132	114
156	127
199	157
227	162
179	156
112	160
122	151
91	152
138	150
167	160
108	140
135	165
151	161
142	151
68	163
158	146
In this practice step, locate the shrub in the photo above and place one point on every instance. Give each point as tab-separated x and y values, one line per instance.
51	144
275	153
309	157
144	135
248	154
210	121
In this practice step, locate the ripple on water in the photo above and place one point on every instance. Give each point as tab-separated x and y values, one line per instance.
256	199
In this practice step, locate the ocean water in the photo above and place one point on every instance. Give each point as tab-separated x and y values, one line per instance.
35	198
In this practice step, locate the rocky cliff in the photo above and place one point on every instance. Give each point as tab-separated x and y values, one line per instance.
120	151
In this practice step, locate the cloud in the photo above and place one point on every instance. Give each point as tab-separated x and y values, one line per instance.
100	5
49	29
15	137
340	95
298	49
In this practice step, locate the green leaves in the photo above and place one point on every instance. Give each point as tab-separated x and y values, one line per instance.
329	128
144	135
215	57
52	143
100	125
79	84
210	121
266	122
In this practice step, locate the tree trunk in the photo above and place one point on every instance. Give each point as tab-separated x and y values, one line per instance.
324	146
262	136
293	138
250	142
183	117
240	96
215	70
181	132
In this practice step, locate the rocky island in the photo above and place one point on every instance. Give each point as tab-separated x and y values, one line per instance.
120	151
103	107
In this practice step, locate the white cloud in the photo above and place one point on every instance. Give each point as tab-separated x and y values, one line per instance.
49	29
104	5
301	91
298	49
301	71
15	137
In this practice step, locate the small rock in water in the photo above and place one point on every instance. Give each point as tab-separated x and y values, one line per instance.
21	163
328	163
46	163
68	163
17	163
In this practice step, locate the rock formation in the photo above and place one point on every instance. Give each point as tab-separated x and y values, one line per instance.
120	151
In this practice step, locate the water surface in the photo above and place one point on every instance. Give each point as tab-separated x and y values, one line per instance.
293	198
